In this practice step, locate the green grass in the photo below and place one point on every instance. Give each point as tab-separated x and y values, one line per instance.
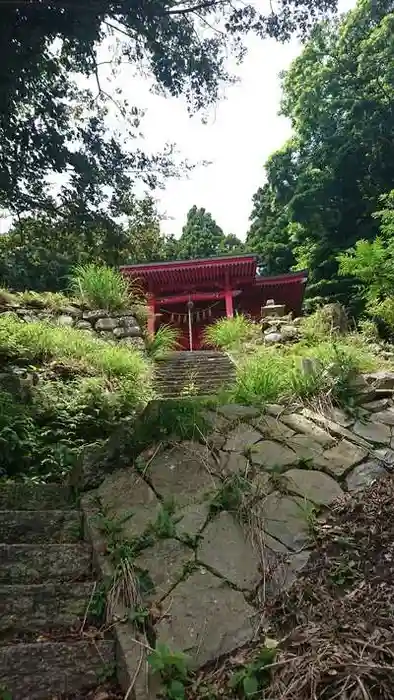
275	374
163	341
102	287
230	333
39	342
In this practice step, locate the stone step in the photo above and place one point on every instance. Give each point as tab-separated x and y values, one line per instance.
30	563
42	671
43	607
36	526
24	496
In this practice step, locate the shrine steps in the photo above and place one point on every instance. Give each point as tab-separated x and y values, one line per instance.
202	373
48	645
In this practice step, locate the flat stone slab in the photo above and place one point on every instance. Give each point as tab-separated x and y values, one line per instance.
41	607
364	475
377	405
225	549
32	526
28	496
165	563
29	563
241	439
231	463
343	456
125	492
184	473
386	456
272	428
192	519
383	379
305	447
373	432
272	455
234	411
216	421
286	519
283	570
300	424
313	485
206	619
44	670
386	417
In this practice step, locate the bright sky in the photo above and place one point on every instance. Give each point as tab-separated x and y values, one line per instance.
242	131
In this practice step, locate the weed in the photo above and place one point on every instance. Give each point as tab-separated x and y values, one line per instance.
173	667
4	693
229	497
231	333
107	672
165	525
98	602
310	512
164	340
252	678
139	616
102	287
43	300
342	573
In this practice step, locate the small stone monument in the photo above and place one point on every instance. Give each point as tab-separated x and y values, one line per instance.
272	309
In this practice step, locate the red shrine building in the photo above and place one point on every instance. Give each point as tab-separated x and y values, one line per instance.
190	294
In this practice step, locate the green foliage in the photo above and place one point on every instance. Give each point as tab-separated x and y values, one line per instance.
383	310
173	667
324	185
165	525
229	496
368	330
178	419
165	340
39	341
372	263
272	375
201	236
101	287
231	333
252	678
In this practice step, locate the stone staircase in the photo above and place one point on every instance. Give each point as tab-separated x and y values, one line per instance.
47	647
193	373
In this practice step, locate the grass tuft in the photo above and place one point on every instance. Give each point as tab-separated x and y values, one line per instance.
102	287
165	340
231	333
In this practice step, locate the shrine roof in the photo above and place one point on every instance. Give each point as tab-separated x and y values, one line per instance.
176	273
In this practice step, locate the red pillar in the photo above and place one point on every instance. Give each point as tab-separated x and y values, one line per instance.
229	303
151	314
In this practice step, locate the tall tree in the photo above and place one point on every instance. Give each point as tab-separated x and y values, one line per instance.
201	236
50	125
338	95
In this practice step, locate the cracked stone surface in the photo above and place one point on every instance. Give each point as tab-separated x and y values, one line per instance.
386	417
373	432
272	455
237	411
305	447
343	456
225	548
273	428
313	485
232	463
206	619
286	519
192	519
124	492
364	475
184	473
242	438
301	424
165	563
283	571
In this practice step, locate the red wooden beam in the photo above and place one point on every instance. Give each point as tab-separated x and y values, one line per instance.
196	296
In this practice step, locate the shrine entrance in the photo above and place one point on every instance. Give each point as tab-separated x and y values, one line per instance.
191	294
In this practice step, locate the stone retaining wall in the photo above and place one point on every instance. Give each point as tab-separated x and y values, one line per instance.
244	499
120	326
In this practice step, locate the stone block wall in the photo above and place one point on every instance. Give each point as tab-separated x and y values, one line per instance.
111	325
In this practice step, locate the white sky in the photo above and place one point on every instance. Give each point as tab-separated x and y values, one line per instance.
242	130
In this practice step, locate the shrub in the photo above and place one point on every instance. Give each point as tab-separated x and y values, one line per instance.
274	374
369	330
230	333
325	322
43	300
163	341
383	310
101	287
40	341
